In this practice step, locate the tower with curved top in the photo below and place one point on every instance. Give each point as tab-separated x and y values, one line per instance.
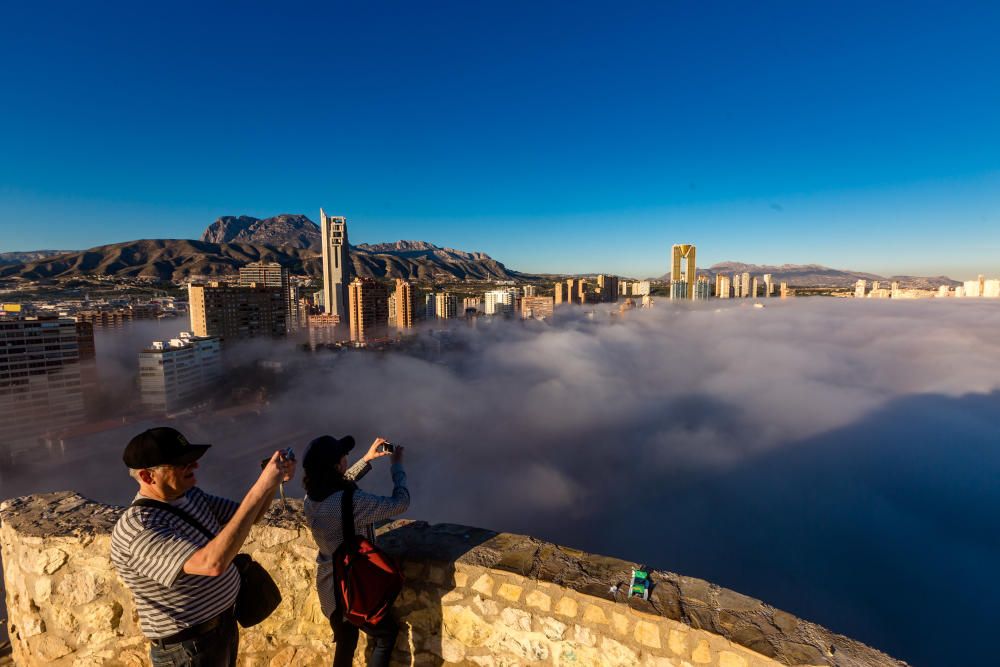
683	253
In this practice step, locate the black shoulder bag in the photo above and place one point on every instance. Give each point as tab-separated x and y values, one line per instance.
259	595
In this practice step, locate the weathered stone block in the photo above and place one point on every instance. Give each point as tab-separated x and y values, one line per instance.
616	654
515	618
484	585
509	592
553	629
594	615
647	634
567	607
538	600
730	659
702	653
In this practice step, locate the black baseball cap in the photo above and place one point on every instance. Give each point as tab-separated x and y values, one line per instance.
326	451
161	446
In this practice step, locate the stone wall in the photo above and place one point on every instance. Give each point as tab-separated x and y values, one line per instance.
472	597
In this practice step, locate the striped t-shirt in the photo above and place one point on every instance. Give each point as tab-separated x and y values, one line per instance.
149	547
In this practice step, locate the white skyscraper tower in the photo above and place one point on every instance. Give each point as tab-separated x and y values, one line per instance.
337	271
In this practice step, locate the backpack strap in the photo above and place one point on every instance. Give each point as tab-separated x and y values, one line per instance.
176	511
347	516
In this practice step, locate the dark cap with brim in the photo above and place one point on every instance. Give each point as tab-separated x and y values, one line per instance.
326	451
161	446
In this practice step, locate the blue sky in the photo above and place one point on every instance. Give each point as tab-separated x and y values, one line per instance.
555	136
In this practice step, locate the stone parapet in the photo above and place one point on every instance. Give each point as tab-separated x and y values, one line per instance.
472	597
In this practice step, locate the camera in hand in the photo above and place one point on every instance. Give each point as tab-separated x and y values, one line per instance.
286	455
386	447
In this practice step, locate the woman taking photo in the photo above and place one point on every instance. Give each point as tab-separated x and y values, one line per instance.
325	478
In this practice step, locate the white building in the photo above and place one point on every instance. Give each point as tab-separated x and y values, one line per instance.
991	289
501	301
173	373
944	291
641	288
972	288
445	305
859	288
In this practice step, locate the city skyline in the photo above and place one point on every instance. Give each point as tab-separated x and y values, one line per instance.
452	124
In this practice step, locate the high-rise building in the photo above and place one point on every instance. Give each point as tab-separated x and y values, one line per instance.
40	376
702	288
405	303
576	291
559	294
501	301
473	303
784	291
895	290
683	253
973	288
337	268
767	285
272	274
368	303
991	289
233	312
722	286
859	288
642	288
536	307
737	286
960	292
943	291
678	289
445	305
174	373
607	288
754	288
529	290
745	285
323	330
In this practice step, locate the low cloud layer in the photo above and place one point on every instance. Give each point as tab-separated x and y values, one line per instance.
808	453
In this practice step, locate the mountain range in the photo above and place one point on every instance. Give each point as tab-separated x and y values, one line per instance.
816	275
232	241
294	241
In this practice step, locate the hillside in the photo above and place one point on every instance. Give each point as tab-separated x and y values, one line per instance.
179	260
816	275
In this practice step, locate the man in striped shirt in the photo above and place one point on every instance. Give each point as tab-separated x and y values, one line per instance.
184	583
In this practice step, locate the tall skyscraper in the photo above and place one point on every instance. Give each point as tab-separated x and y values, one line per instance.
405	304
337	270
536	307
272	274
501	301
559	294
754	287
575	290
859	288
445	305
722	286
40	376
737	286
745	285
767	285
784	291
607	288
683	253
368	302
529	290
702	288
233	312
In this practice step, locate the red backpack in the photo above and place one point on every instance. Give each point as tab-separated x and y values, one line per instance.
367	579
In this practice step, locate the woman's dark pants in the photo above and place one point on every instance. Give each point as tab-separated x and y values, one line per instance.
345	637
